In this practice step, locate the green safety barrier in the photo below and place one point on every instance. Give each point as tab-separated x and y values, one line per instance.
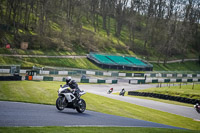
37	71
114	74
84	80
141	81
100	81
174	75
178	80
53	72
194	75
152	75
189	80
72	72
47	78
184	75
166	80
155	81
80	72
128	74
99	73
138	74
114	81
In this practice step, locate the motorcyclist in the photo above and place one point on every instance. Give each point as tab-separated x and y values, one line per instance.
110	91
122	92
197	105
73	85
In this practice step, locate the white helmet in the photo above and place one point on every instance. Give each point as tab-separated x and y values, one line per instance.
68	79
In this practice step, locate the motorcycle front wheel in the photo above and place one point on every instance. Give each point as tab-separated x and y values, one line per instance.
81	106
59	104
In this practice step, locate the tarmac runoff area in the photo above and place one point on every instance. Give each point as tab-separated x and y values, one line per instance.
27	114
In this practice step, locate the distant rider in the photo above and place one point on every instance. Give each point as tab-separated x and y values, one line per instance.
122	92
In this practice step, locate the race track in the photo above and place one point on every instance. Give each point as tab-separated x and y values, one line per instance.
26	114
170	108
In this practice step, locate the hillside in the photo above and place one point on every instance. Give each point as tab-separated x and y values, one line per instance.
79	27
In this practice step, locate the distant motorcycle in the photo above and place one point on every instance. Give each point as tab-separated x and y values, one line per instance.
197	107
110	91
122	92
67	99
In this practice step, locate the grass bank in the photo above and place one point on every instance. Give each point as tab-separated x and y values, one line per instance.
182	66
187	91
45	92
38	52
90	130
84	63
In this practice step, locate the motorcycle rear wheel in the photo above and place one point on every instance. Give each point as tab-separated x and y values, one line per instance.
59	104
81	106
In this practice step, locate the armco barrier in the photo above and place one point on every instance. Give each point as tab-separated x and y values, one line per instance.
45	78
148	80
113	74
166	97
4	70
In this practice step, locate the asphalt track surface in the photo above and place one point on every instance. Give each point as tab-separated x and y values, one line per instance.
26	114
189	112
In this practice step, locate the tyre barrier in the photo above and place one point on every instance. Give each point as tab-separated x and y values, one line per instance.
165	97
10	78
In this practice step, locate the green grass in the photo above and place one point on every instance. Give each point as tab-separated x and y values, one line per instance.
45	92
185	91
82	63
90	130
38	52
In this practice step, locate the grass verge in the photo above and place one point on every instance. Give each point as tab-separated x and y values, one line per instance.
90	130
182	66
187	91
45	92
82	63
159	100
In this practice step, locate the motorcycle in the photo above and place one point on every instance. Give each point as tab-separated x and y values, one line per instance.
110	91
197	107
67	99
122	93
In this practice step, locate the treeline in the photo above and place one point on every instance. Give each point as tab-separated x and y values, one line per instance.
169	27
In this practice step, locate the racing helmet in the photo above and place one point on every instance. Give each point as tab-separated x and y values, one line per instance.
68	79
